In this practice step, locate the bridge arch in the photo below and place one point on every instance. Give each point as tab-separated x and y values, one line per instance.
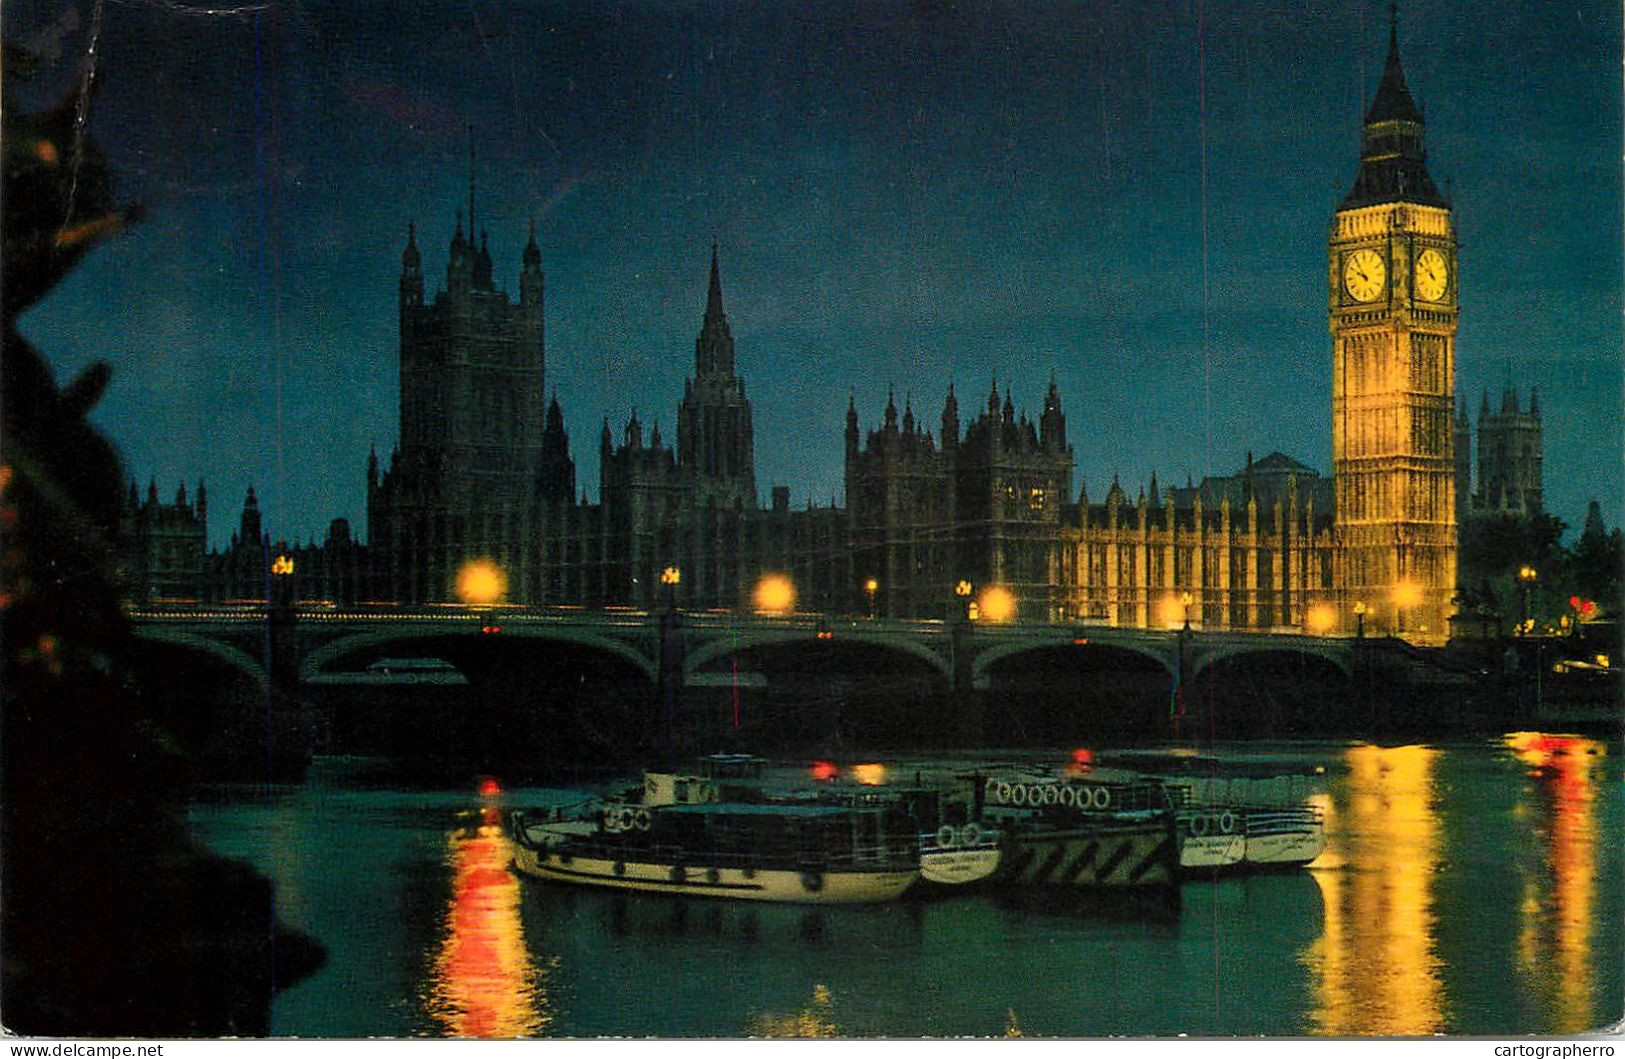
235	657
1332	653
725	645
316	661
985	660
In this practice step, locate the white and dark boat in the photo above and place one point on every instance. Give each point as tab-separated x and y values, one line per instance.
1285	837
1211	837
1084	834
1219	830
676	835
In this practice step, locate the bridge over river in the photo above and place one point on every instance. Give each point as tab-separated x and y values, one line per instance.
623	674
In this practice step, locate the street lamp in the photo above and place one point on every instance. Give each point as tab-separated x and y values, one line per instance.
963	590
1186	600
775	594
671	577
1527	576
870	587
1359	619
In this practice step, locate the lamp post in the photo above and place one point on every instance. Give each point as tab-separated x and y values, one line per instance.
1177	707
1527	576
671	577
1359	619
963	590
671	657
870	588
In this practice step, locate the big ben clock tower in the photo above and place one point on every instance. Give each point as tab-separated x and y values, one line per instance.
1391	271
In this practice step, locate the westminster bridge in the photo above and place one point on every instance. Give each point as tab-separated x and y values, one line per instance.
624	674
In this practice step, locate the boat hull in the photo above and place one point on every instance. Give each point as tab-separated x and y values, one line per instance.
1212	851
1094	855
1286	850
959	867
785	885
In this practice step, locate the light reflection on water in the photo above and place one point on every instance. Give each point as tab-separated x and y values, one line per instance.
484	982
1559	891
1376	965
1463	890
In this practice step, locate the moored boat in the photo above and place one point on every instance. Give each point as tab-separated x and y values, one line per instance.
1063	833
1210	837
1288	837
678	838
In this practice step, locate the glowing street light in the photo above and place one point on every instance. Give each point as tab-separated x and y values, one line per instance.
998	604
1359	619
481	583
870	587
775	594
671	577
1185	600
1320	618
282	566
1527	576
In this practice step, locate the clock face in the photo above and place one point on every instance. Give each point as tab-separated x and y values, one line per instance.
1364	275
1432	275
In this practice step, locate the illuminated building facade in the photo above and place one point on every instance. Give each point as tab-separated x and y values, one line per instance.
483	470
1252	550
1392	304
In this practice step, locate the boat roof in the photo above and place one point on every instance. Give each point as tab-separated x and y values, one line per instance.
759	809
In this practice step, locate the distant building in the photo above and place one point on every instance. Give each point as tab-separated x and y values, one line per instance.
165	545
1509	458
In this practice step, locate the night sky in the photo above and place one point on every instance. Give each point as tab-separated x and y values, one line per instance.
1131	196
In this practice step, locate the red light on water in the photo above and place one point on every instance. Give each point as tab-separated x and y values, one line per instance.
489	786
824	770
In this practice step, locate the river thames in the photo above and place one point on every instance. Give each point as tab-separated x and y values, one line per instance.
1466	888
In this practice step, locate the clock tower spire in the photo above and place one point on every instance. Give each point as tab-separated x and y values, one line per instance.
1392	307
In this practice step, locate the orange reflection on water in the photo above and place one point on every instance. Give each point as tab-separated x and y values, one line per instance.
1554	942
1376	965
484	982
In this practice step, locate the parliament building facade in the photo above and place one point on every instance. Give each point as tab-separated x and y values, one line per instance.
484	471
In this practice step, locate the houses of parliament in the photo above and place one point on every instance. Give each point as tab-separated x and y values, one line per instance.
981	496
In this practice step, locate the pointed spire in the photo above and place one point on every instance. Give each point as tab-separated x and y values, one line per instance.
1484	406
152	490
713	296
532	256
411	260
1156	497
1393	162
1534	401
891	409
714	348
1393	101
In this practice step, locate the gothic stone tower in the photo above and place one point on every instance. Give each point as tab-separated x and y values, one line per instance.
1509	476
473	451
1391	267
714	444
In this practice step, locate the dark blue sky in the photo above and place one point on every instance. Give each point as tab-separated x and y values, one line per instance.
1132	196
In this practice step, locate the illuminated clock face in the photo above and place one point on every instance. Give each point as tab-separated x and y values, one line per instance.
1432	275
1364	275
